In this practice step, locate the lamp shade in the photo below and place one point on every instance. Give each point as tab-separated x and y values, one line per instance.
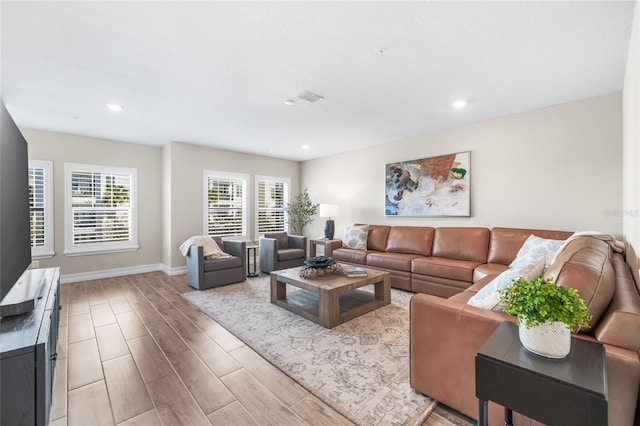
329	210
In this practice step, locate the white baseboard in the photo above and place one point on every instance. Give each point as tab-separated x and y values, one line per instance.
118	272
174	271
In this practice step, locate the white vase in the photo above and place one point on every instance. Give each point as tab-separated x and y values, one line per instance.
551	340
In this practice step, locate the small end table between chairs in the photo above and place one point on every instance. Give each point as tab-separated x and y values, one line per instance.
252	273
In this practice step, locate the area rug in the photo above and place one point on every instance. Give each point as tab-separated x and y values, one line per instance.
360	368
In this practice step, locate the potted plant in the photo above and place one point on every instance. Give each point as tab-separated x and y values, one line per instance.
546	315
300	212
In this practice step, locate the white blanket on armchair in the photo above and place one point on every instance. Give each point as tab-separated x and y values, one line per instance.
210	248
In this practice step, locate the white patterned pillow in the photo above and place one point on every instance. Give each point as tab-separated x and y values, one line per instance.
535	248
355	237
489	295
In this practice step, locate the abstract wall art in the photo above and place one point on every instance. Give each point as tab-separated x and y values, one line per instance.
434	186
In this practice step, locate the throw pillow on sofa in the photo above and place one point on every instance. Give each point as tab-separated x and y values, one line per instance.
489	295
355	237
535	248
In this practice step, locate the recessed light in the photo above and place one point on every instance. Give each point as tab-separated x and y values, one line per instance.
289	102
114	107
306	147
460	103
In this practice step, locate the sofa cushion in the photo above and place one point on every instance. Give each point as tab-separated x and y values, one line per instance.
533	249
281	237
460	270
377	238
585	265
220	264
488	269
290	254
489	296
469	244
350	255
355	237
505	242
410	239
396	261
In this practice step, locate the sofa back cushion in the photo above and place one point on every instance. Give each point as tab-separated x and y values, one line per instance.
505	242
461	243
282	237
377	239
410	239
585	264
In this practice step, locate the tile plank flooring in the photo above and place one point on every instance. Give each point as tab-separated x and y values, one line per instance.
132	351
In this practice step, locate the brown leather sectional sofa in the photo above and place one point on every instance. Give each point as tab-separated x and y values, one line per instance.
438	261
453	264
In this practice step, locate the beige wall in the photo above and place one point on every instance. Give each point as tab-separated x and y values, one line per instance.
187	163
169	194
554	168
631	147
64	148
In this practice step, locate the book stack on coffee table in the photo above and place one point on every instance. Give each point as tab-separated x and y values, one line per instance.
354	271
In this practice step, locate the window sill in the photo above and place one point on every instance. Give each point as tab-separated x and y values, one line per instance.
90	251
42	255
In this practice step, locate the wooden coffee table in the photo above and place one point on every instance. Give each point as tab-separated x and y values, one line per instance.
330	300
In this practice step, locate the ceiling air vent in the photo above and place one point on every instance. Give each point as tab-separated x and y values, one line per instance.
310	96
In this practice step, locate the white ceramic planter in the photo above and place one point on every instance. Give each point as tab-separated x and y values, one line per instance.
551	340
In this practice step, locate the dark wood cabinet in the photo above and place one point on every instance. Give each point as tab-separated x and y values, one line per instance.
28	357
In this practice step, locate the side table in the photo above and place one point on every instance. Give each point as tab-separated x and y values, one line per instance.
567	392
251	273
318	242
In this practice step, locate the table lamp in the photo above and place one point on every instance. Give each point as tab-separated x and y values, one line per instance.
329	211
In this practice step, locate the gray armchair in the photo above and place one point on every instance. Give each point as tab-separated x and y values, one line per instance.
281	251
207	273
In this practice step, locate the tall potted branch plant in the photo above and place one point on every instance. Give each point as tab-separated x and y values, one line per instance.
300	212
546	315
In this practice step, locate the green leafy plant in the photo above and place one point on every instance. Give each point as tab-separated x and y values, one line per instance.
300	212
540	301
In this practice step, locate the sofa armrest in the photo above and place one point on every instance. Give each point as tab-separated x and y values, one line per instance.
195	263
268	254
298	241
235	248
444	338
330	246
238	249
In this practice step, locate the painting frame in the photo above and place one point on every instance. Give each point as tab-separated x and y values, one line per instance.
438	186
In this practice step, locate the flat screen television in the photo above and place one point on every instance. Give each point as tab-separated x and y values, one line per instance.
15	239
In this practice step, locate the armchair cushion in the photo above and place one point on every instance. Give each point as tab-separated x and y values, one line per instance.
290	254
220	264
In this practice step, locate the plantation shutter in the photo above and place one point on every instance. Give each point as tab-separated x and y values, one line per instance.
37	188
272	194
226	206
101	207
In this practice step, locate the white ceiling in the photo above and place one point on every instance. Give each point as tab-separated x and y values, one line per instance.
218	73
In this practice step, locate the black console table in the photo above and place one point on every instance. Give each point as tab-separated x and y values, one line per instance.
28	355
567	392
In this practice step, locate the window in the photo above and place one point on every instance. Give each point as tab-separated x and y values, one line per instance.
225	204
272	194
101	209
41	208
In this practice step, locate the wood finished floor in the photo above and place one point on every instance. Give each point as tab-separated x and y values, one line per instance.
132	351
